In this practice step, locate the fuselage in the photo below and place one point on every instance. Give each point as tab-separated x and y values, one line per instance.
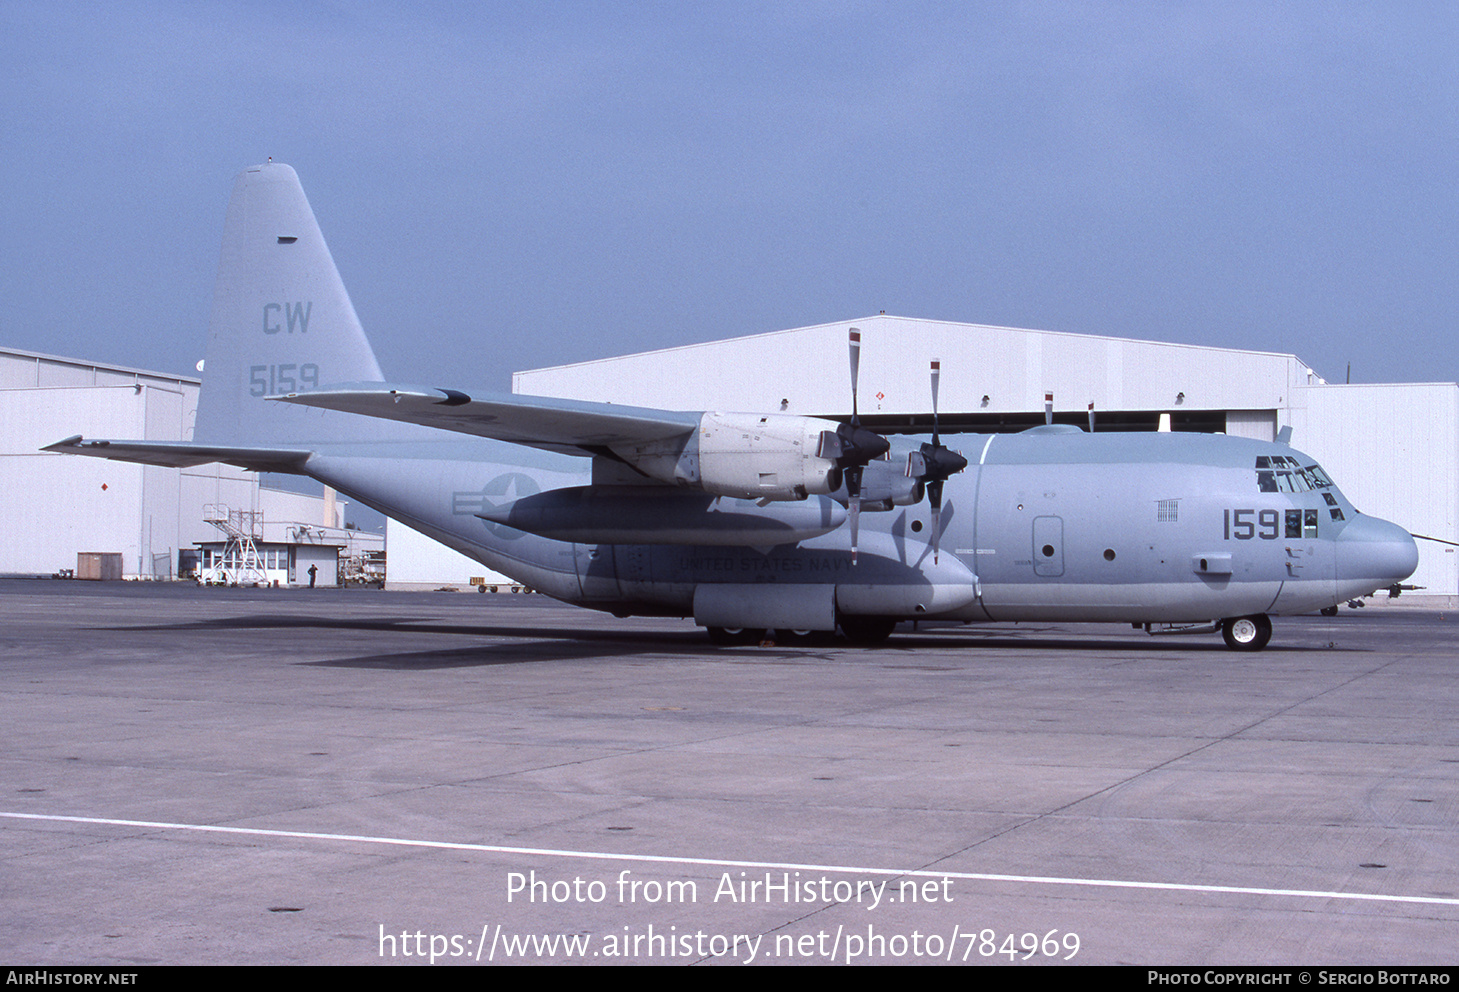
1050	524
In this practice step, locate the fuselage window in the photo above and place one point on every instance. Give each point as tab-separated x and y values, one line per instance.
1294	523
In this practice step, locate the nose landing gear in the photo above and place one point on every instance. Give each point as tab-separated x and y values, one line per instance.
1247	633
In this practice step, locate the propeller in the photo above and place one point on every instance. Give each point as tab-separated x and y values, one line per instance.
851	446
933	464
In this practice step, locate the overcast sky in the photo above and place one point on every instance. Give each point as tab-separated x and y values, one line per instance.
512	185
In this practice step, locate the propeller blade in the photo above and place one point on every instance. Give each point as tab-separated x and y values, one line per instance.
853	505
851	446
934	496
934	463
936	377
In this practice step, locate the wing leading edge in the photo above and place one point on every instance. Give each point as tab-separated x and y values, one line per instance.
568	426
573	427
181	454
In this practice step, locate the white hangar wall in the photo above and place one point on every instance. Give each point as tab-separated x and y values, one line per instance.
1394	449
417	563
807	367
54	506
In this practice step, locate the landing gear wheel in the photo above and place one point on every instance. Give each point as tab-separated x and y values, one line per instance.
799	638
735	636
867	631
1329	611
1247	633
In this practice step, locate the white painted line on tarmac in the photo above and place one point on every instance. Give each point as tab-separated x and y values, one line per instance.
1108	883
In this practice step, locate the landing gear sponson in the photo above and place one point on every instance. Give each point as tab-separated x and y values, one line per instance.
1249	633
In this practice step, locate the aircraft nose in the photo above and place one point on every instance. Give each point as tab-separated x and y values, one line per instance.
1372	549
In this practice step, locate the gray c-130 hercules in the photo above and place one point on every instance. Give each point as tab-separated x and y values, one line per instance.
748	521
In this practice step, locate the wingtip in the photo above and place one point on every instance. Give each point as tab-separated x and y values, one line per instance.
64	445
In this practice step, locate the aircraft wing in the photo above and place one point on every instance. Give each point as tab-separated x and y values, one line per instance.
181	454
571	426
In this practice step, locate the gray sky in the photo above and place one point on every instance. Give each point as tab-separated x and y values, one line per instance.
511	185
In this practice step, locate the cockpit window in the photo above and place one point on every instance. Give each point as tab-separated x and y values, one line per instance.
1284	474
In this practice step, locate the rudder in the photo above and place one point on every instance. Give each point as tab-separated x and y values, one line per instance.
282	322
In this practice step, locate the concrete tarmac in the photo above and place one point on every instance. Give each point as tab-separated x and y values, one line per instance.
212	776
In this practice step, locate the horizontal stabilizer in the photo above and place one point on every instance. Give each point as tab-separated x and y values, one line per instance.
180	454
570	426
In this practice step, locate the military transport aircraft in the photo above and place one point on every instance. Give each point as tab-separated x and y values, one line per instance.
750	521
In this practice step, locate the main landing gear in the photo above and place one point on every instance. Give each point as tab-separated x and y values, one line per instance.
727	637
861	631
1247	633
867	631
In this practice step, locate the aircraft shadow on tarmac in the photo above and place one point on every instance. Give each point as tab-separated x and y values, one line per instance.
535	644
527	644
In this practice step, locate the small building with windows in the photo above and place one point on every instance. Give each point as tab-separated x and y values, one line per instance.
259	551
222	563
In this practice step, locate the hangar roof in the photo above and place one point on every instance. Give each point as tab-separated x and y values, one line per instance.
29	369
985	369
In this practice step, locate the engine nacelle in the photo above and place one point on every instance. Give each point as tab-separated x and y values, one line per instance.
884	484
745	455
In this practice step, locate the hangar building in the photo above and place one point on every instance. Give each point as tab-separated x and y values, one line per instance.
55	507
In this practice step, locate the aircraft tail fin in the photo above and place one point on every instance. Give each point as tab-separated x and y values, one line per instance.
281	322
